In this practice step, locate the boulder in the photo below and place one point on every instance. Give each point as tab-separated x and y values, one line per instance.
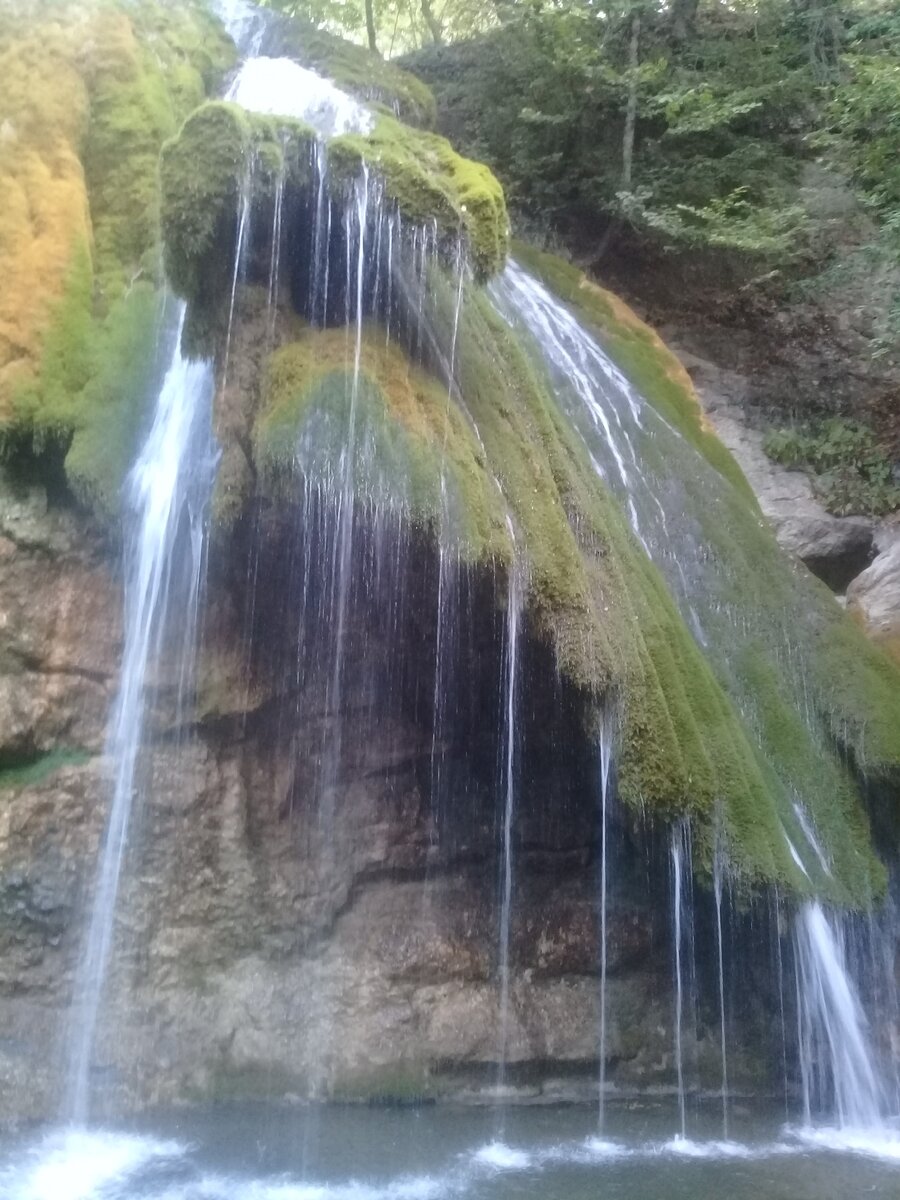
874	598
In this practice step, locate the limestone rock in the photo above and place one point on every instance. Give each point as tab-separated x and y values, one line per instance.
834	548
874	598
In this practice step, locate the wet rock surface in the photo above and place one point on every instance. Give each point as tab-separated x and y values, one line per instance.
874	596
277	938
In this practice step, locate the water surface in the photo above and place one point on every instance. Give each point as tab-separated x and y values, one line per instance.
265	1152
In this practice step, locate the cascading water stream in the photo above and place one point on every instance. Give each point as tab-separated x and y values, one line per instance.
681	865
838	1067
665	487
167	494
605	766
718	889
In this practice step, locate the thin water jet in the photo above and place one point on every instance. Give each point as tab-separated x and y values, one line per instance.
510	683
170	483
605	765
718	886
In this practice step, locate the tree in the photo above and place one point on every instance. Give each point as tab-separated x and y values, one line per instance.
371	32
435	28
683	14
632	101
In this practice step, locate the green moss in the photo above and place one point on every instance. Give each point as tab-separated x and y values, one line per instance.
358	71
200	178
219	150
35	771
855	687
805	768
90	398
110	418
141	68
204	167
699	735
408	434
429	181
649	364
152	68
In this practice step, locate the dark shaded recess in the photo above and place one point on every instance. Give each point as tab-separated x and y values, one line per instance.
322	288
25	466
839	573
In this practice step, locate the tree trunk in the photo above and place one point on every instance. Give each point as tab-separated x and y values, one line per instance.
614	227
631	107
435	28
371	33
683	14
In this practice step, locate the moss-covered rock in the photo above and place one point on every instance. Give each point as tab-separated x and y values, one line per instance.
429	181
221	148
95	90
724	743
409	437
219	151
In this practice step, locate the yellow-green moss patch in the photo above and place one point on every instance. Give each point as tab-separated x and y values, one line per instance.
93	92
429	181
409	436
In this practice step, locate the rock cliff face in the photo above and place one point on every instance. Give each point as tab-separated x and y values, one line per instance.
270	945
311	900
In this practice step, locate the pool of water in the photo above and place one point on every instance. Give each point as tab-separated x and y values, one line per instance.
274	1153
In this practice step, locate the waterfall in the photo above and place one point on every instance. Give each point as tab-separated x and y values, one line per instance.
666	489
280	87
837	1062
166	495
626	440
511	666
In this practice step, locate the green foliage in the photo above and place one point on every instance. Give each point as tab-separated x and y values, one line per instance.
725	118
851	472
400	25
